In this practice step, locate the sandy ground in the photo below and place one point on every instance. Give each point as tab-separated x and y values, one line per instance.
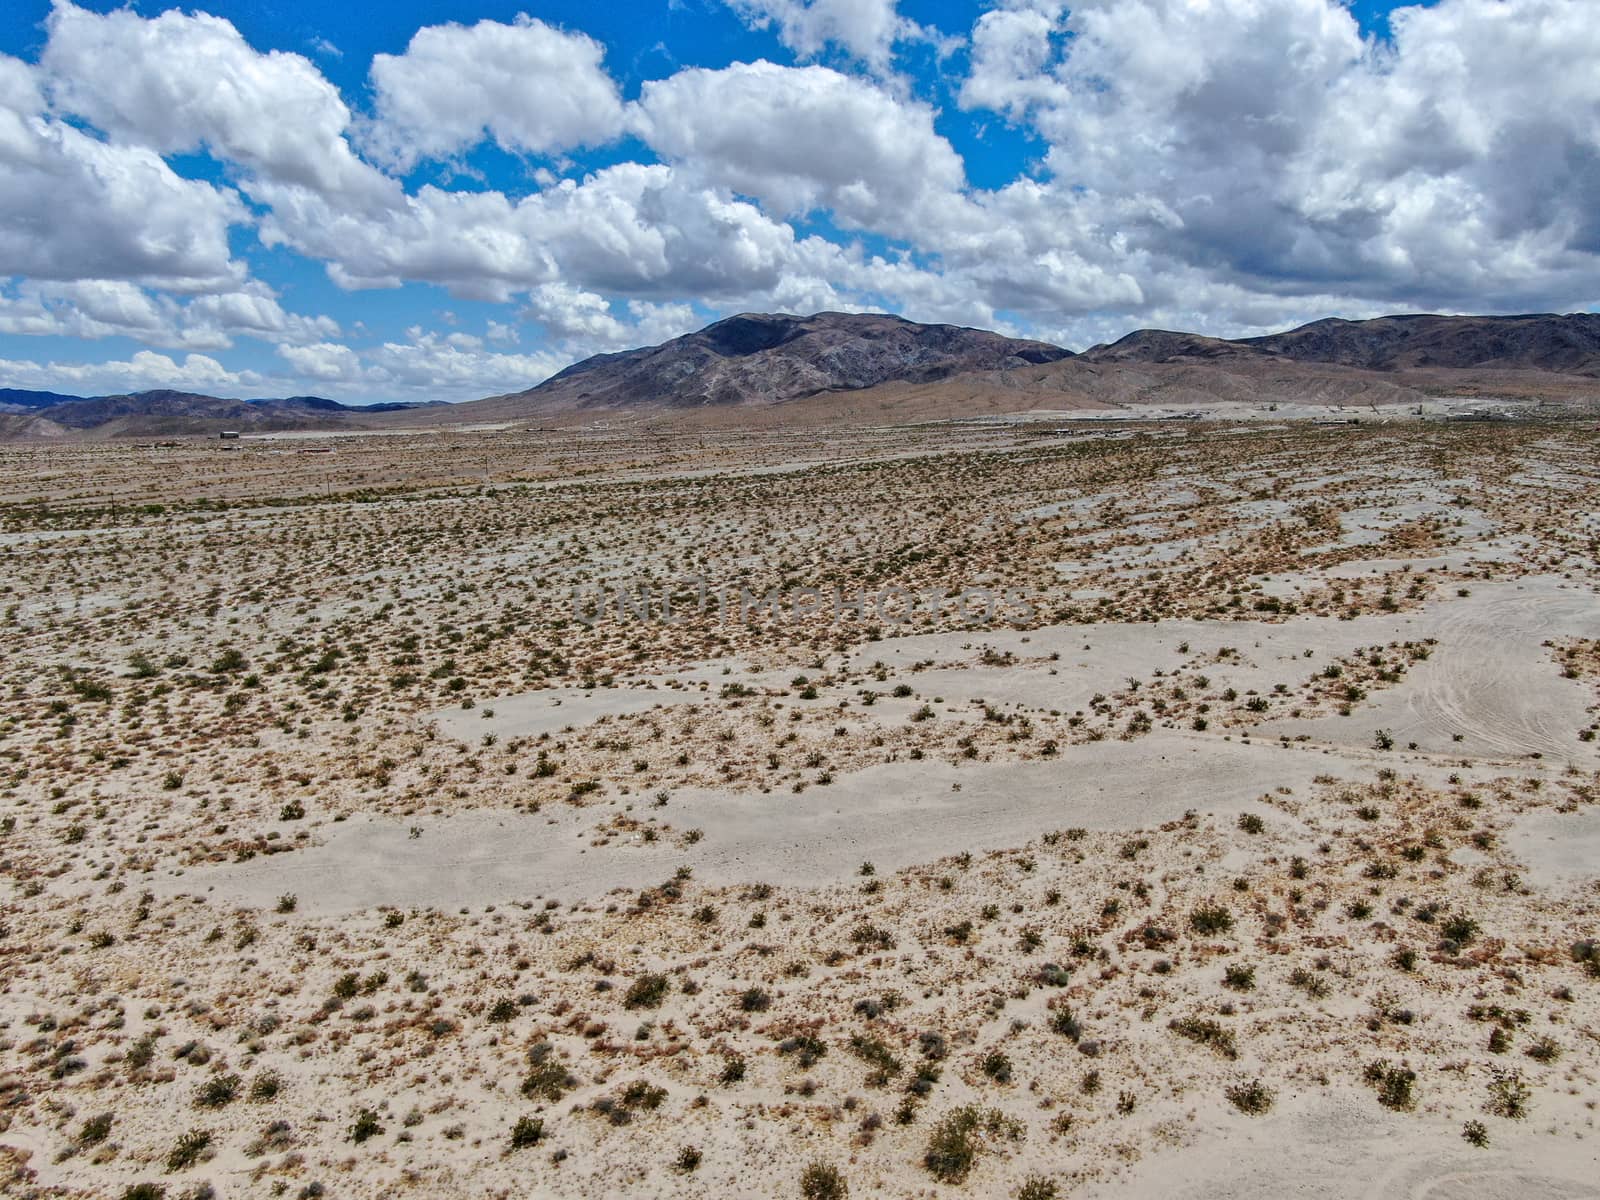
1474	697
1339	1145
895	815
1560	848
1257	859
1484	691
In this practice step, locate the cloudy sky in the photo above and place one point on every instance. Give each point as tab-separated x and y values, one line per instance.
443	199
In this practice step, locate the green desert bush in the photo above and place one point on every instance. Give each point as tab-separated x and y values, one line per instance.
1210	918
365	1126
95	1130
547	1077
1393	1084
1252	1098
1207	1033
822	1181
647	991
187	1149
266	1086
1509	1096
1066	1023
997	1066
1309	982
754	1000
954	1142
217	1091
1587	953
526	1132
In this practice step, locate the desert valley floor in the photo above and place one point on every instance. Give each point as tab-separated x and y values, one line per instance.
1177	809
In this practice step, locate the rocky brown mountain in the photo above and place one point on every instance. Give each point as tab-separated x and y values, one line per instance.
164	411
761	358
872	366
1568	343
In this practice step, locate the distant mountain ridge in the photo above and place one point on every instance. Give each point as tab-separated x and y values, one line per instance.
167	411
20	399
768	358
1568	343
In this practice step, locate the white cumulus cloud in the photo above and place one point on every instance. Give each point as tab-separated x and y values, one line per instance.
179	82
73	207
647	232
528	85
324	362
142	371
863	29
1223	165
805	138
1266	146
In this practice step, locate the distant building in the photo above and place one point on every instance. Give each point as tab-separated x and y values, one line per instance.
229	435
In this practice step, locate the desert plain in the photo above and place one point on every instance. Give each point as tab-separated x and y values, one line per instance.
1165	808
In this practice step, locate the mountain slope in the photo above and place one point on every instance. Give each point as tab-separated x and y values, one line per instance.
761	367
22	400
169	412
758	358
97	410
1568	343
1166	345
1547	342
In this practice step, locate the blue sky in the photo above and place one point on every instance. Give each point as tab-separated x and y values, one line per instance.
452	200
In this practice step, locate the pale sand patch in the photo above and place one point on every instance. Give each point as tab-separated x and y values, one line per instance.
896	815
1559	848
553	710
1490	689
1092	659
1490	680
1340	1145
1476	552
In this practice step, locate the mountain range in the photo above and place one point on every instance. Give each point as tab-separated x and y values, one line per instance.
766	358
874	365
1544	342
164	411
